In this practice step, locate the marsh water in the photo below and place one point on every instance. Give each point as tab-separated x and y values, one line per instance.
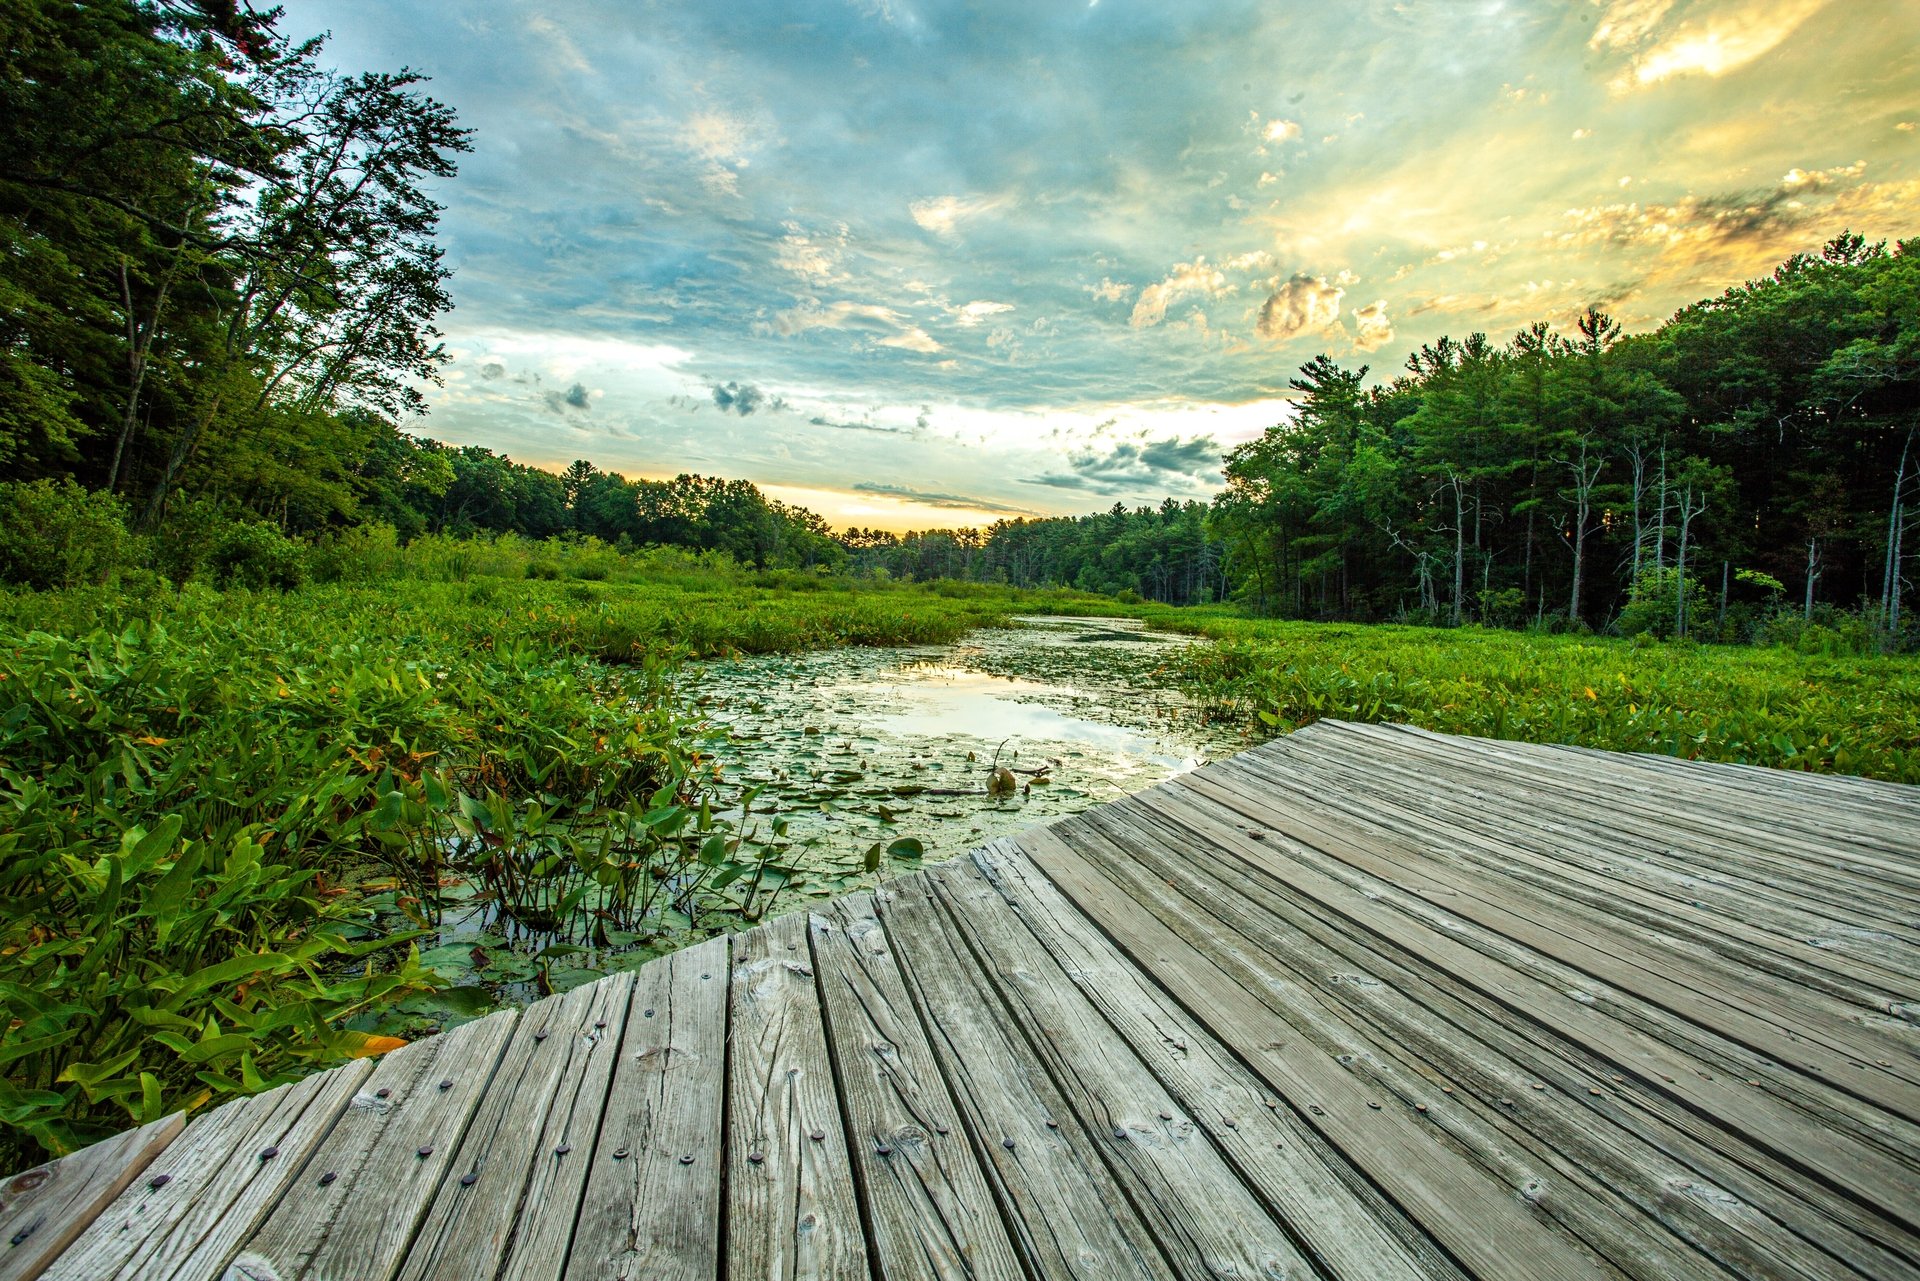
854	749
855	764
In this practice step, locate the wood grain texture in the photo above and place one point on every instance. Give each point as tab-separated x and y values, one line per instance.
792	1211
651	1210
44	1209
353	1211
1043	940
1061	1191
222	1177
509	1186
928	1206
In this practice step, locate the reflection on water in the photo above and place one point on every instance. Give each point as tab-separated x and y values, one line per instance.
856	748
941	699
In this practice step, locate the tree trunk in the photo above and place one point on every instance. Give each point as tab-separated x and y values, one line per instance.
1890	580
1813	574
1459	549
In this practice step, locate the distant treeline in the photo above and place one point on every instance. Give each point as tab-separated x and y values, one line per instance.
1166	553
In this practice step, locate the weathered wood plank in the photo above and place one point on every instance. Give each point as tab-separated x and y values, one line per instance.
651	1211
1414	1029
1849	1160
355	1207
510	1185
1065	1209
1652	884
1500	1231
1810	1036
792	1212
221	1178
927	1204
1338	1215
44	1209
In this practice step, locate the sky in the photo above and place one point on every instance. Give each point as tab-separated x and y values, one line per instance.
917	263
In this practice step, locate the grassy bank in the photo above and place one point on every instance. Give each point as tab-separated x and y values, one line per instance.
1761	706
198	788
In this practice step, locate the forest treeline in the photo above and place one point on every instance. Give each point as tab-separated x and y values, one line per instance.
219	281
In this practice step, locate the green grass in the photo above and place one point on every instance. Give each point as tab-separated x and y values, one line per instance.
1760	706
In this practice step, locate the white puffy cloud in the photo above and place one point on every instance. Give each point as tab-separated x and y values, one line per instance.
1187	280
1372	330
1278	131
1302	305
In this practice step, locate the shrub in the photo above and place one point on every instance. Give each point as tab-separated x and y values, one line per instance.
361	554
543	570
256	556
55	534
1655	597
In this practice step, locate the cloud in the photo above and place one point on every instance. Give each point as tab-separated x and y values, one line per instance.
1109	291
958	502
912	338
1712	40
1132	467
741	399
839	315
975	312
1279	131
1186	280
1304	304
493	370
574	397
942	215
1371	328
811	256
819	420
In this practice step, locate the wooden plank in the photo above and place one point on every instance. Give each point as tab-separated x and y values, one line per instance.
1650	884
1204	1151
1798	1029
928	1209
1875	1175
652	1203
1609	878
356	1206
222	1177
1080	1201
44	1209
510	1184
1337	1213
1497	1230
791	1207
1415	1029
1705	822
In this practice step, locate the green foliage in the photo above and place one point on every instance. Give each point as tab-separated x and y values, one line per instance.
255	555
56	534
1653	607
1763	707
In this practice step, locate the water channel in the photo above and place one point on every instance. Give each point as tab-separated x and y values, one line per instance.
862	763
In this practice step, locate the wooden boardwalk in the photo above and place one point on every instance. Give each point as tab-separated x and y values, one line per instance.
1365	1003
